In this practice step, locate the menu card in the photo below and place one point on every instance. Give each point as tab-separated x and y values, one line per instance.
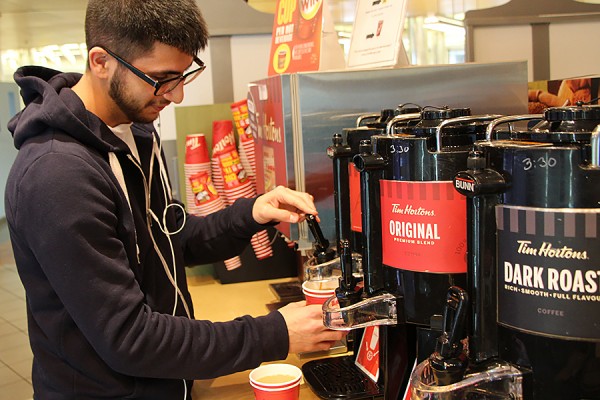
377	34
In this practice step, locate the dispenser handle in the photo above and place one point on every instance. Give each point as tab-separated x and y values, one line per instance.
349	282
399	118
361	120
454	315
449	361
508	119
458	120
595	144
322	243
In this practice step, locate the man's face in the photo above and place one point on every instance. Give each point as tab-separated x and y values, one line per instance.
137	102
135	98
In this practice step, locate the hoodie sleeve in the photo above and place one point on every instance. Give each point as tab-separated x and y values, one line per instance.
67	219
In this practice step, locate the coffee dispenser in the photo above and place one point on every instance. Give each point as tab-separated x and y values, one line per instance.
339	377
546	255
426	155
423	235
368	125
534	207
418	202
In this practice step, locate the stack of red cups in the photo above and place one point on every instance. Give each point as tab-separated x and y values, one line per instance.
246	140
231	179
201	195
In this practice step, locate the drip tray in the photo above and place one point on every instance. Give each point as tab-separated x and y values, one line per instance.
339	378
287	291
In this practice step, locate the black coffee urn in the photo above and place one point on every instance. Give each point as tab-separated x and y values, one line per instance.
533	213
423	151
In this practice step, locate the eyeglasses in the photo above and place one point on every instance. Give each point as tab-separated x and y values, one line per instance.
167	85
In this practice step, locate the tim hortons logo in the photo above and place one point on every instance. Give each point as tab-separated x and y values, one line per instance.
192	143
228	140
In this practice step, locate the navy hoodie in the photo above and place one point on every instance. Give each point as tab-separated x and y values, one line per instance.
99	300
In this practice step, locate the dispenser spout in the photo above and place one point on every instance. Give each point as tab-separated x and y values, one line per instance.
377	310
449	361
347	292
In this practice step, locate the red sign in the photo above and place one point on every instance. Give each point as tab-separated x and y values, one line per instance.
424	226
267	124
296	43
367	358
355	201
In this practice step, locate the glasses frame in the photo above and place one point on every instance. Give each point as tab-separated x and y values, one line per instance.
157	85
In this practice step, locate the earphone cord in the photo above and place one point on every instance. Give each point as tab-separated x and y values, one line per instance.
163	227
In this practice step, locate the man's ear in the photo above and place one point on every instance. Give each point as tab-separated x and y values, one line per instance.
99	62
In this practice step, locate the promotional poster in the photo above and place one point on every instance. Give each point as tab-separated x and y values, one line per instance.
296	43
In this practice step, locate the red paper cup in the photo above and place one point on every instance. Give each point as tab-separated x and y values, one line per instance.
195	168
276	382
317	292
240	116
196	150
223	137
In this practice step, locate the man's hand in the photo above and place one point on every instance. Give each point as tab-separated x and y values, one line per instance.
283	205
306	330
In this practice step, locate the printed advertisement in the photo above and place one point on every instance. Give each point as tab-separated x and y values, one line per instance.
269	168
203	189
423	226
560	93
265	107
367	359
234	174
377	34
549	271
296	42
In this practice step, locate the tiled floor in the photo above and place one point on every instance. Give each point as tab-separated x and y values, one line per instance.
15	353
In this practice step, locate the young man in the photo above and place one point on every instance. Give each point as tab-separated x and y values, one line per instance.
100	245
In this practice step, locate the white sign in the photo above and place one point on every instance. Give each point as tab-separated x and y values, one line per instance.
377	34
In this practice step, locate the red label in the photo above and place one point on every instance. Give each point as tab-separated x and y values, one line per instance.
234	174
203	189
355	202
367	358
423	226
548	274
241	119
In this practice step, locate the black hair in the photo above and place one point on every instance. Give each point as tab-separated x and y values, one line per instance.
130	28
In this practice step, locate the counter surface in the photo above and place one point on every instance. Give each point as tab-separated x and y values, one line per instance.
256	295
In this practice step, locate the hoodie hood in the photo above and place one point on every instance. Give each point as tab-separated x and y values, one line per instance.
50	104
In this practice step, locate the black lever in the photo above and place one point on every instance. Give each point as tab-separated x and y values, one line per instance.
322	252
449	361
346	292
